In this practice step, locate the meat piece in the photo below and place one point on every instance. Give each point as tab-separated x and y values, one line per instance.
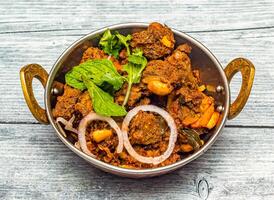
144	101
123	57
65	105
184	48
156	42
84	104
137	92
197	75
146	128
191	97
72	101
123	54
182	115
157	68
180	65
174	157
135	95
93	53
174	71
189	107
96	53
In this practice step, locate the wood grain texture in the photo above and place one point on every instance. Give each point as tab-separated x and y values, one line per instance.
188	15
36	165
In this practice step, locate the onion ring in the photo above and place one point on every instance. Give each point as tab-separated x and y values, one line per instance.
68	125
82	131
172	137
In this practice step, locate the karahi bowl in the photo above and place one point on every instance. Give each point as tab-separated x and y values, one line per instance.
211	73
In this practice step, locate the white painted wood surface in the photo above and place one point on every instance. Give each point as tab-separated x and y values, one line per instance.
34	164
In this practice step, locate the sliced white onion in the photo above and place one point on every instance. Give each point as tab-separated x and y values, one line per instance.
82	131
172	137
68	125
77	145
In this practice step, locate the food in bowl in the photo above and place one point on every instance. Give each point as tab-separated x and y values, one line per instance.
134	101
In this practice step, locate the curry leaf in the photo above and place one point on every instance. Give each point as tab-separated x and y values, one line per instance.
193	138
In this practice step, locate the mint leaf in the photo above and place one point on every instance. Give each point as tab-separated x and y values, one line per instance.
94	74
102	101
74	78
100	71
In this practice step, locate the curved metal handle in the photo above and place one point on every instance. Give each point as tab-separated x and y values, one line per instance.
27	73
247	70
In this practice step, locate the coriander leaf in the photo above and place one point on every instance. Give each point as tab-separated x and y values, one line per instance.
100	71
124	40
105	38
137	52
110	44
103	102
113	43
136	64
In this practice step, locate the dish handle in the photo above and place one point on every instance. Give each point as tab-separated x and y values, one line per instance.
247	70
27	73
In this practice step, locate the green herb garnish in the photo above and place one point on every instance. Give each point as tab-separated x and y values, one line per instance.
101	78
112	44
94	74
102	101
124	40
100	71
136	64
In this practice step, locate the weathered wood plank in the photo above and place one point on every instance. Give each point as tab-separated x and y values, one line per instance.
17	50
22	15
36	165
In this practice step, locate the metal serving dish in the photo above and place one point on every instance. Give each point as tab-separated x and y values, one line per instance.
211	73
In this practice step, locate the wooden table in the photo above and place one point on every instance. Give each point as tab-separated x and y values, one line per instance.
34	164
